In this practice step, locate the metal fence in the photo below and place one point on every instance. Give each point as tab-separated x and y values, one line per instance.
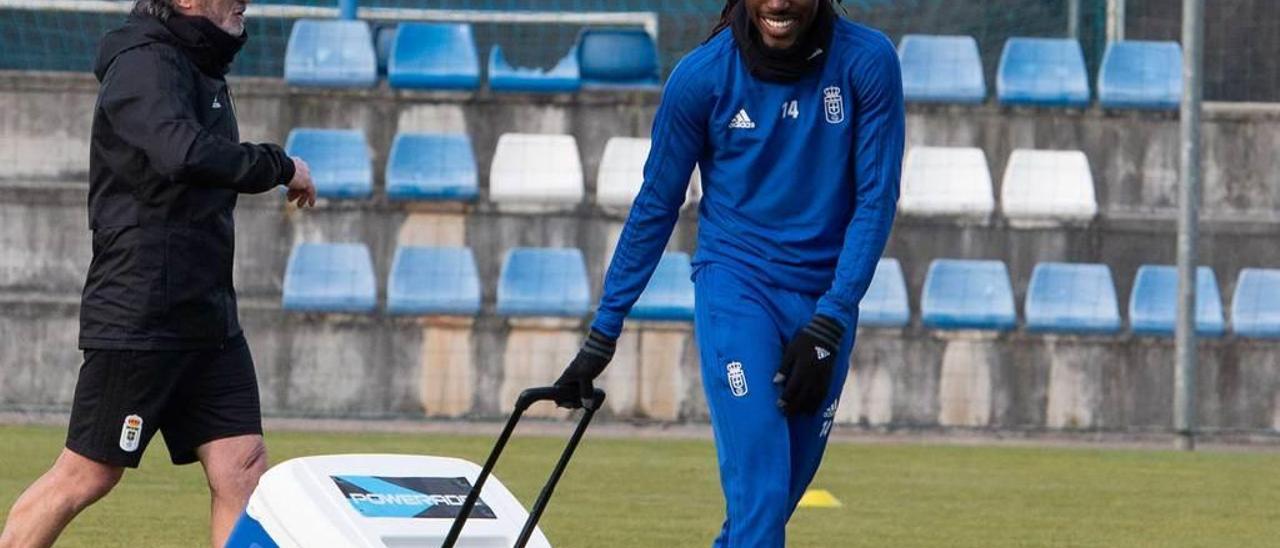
1242	54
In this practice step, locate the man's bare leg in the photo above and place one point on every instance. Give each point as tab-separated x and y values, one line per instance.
44	509
232	466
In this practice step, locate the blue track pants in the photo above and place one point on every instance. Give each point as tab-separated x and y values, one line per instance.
766	458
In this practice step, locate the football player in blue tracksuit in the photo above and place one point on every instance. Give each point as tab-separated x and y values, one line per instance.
796	118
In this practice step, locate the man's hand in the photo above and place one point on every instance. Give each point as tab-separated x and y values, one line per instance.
575	385
805	374
301	189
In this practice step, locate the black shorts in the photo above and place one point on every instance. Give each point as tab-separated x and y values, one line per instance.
124	397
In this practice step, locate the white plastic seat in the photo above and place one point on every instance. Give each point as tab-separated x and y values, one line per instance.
1048	185
536	170
946	182
621	173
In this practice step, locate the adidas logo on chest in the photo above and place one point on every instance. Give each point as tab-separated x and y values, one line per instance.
742	121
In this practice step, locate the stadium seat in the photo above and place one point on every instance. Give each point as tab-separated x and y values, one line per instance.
1048	185
942	69
433	281
962	294
562	78
1047	72
384	37
330	278
339	160
328	53
621	173
1153	305
432	166
946	181
1255	306
1141	75
536	170
885	304
669	295
618	58
1072	298
434	56
543	282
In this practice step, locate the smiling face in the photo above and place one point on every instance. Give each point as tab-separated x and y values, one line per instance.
228	15
782	22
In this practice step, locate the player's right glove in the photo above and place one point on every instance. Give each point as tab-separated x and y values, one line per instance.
807	364
575	384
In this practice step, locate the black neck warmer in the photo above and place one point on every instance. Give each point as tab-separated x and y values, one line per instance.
807	55
211	48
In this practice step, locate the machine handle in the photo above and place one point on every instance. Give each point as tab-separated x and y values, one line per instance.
526	399
551	393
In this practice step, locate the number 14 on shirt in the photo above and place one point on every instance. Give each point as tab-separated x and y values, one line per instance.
790	109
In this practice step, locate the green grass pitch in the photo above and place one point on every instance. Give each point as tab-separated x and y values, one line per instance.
643	493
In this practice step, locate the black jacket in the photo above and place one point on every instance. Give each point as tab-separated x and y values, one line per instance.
165	167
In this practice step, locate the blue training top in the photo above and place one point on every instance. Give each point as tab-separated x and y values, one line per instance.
800	180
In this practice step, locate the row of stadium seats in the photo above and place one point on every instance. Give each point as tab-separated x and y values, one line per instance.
958	294
546	169
948	69
444	281
1046	72
537	169
443	56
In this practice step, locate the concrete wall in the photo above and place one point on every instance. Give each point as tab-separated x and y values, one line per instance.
322	365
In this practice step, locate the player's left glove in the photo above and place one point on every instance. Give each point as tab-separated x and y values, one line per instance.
575	384
807	364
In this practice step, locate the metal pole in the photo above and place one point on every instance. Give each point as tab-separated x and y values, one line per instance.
1188	222
347	9
1115	20
1073	19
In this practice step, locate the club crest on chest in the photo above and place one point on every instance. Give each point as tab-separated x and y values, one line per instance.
833	104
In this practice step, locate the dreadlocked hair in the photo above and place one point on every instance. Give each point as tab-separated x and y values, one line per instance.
726	17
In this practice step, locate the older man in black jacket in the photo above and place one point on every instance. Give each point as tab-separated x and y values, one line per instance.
163	347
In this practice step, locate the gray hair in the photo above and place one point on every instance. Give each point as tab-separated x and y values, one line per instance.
160	9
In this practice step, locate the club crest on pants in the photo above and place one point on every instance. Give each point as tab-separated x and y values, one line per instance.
131	433
737	379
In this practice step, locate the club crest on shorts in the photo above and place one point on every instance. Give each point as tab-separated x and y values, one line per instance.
833	101
131	433
737	379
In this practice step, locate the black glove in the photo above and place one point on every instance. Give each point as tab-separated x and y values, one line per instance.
575	385
805	374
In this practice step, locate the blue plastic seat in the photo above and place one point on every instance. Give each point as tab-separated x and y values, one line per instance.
430	166
1255	306
562	78
543	282
942	69
962	294
885	304
434	56
1153	305
1141	75
1072	298
330	278
618	58
338	158
329	53
434	281
384	37
1048	72
669	295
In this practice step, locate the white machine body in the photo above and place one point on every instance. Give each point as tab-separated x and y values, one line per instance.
382	501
